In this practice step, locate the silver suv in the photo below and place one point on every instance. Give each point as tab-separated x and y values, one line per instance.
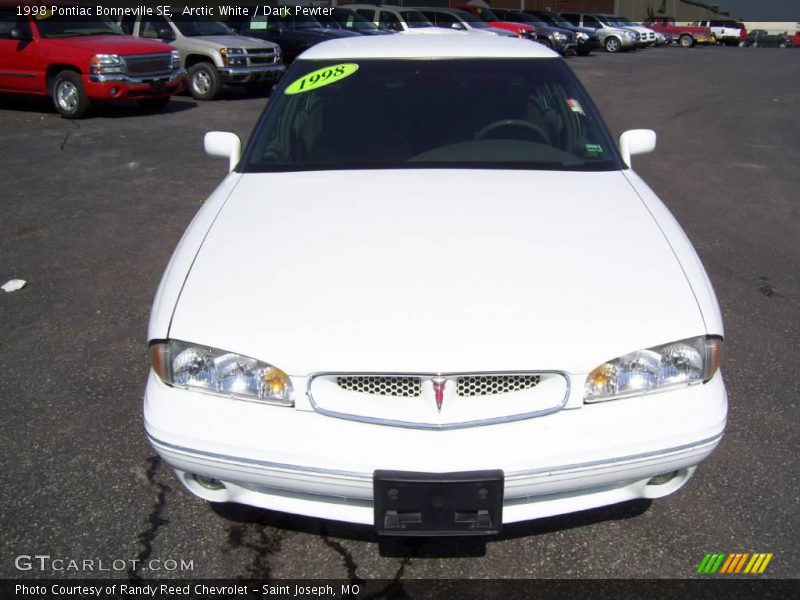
612	37
212	53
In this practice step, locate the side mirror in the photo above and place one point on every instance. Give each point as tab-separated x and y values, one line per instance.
20	35
224	144
166	34
457	27
636	141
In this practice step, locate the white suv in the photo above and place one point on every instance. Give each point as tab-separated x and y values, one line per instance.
727	32
398	19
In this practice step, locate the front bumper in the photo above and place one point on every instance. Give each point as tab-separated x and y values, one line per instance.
301	462
592	42
564	46
235	75
118	86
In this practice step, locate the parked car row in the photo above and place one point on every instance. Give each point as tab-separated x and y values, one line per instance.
83	58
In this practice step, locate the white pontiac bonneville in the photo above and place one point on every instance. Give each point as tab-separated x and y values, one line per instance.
432	296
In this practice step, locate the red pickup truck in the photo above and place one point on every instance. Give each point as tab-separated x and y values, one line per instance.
686	35
67	52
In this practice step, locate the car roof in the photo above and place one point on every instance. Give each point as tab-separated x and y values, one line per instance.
428	46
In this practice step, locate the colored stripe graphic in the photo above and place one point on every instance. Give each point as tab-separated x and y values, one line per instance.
723	563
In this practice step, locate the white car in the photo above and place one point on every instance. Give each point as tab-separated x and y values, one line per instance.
471	313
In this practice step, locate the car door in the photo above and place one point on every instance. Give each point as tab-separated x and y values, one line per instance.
20	59
282	31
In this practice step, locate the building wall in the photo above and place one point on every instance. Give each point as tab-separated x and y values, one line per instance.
774	26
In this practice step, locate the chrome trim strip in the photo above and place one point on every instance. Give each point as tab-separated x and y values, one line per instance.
632	457
434	426
171	77
4	74
251	70
368	476
260	463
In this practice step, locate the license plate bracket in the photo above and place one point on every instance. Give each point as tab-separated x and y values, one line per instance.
438	504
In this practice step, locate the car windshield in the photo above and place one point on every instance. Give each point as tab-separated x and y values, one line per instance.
555	19
302	21
414	19
194	26
624	23
351	20
486	14
474	21
435	113
518	17
54	27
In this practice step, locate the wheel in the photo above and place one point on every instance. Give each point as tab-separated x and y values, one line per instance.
68	95
541	134
783	45
203	81
613	44
686	41
154	104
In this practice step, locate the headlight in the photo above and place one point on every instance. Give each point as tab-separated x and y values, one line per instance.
176	59
581	36
191	366
105	63
234	57
559	36
680	363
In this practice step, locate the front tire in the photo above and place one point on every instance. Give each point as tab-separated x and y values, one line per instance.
686	41
203	81
613	44
68	95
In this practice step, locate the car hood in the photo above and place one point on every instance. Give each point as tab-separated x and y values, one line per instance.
215	42
326	33
435	271
112	44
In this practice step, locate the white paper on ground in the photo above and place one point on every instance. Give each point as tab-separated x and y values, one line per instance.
12	285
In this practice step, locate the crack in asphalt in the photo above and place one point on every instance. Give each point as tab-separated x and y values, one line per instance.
347	557
69	133
258	539
395	590
155	520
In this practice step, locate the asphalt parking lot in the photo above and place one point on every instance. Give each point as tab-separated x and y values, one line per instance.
92	209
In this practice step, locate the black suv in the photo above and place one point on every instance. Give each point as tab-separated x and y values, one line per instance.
560	39
587	39
293	33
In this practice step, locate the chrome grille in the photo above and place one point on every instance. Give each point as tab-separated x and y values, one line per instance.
261	56
404	387
487	385
149	64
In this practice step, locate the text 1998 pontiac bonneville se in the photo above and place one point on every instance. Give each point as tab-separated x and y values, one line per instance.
432	296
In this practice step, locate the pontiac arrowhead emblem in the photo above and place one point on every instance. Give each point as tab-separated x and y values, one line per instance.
438	389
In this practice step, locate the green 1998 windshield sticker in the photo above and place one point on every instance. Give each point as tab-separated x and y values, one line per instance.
320	77
594	148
